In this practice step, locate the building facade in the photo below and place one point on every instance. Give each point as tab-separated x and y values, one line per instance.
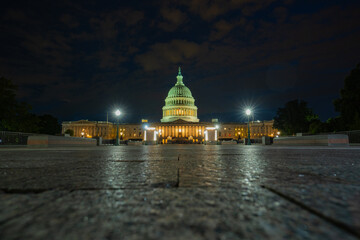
179	123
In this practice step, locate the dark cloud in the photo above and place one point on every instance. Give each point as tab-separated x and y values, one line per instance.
280	14
15	15
69	21
222	28
110	59
210	9
175	52
173	18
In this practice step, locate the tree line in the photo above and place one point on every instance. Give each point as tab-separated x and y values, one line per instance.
296	116
16	116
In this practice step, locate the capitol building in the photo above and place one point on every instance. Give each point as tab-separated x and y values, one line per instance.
179	124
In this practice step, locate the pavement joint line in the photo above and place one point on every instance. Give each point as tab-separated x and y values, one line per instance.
20	214
325	177
178	178
131	160
153	160
23	191
147	187
330	220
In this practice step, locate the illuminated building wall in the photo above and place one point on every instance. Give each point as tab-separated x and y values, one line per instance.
189	131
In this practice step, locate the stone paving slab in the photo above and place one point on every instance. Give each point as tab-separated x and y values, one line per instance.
335	201
220	192
197	213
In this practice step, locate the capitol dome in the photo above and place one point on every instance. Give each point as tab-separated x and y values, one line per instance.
179	104
179	90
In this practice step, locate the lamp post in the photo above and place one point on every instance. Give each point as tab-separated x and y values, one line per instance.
248	112
117	113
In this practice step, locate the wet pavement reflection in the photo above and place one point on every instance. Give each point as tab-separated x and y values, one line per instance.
206	191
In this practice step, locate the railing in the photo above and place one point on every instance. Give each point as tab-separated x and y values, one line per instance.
13	138
354	135
108	141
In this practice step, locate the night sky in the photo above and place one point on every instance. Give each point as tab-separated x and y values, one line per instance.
82	59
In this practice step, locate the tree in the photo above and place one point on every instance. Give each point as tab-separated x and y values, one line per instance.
16	116
334	124
294	117
8	103
49	125
317	126
349	102
71	132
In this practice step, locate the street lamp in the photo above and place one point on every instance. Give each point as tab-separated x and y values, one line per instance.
117	113
248	112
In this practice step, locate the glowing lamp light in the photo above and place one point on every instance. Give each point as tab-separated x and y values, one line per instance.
117	112
248	112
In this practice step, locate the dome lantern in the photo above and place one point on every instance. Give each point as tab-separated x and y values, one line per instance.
179	78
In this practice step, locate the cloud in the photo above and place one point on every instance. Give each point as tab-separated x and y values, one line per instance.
108	58
207	9
210	9
15	15
132	17
52	47
161	55
69	21
280	14
173	18
108	26
222	28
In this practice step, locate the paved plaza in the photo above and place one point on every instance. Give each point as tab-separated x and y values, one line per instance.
180	192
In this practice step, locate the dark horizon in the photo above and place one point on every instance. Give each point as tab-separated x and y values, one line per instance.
81	60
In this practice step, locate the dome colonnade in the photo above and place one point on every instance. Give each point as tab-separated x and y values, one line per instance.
179	104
